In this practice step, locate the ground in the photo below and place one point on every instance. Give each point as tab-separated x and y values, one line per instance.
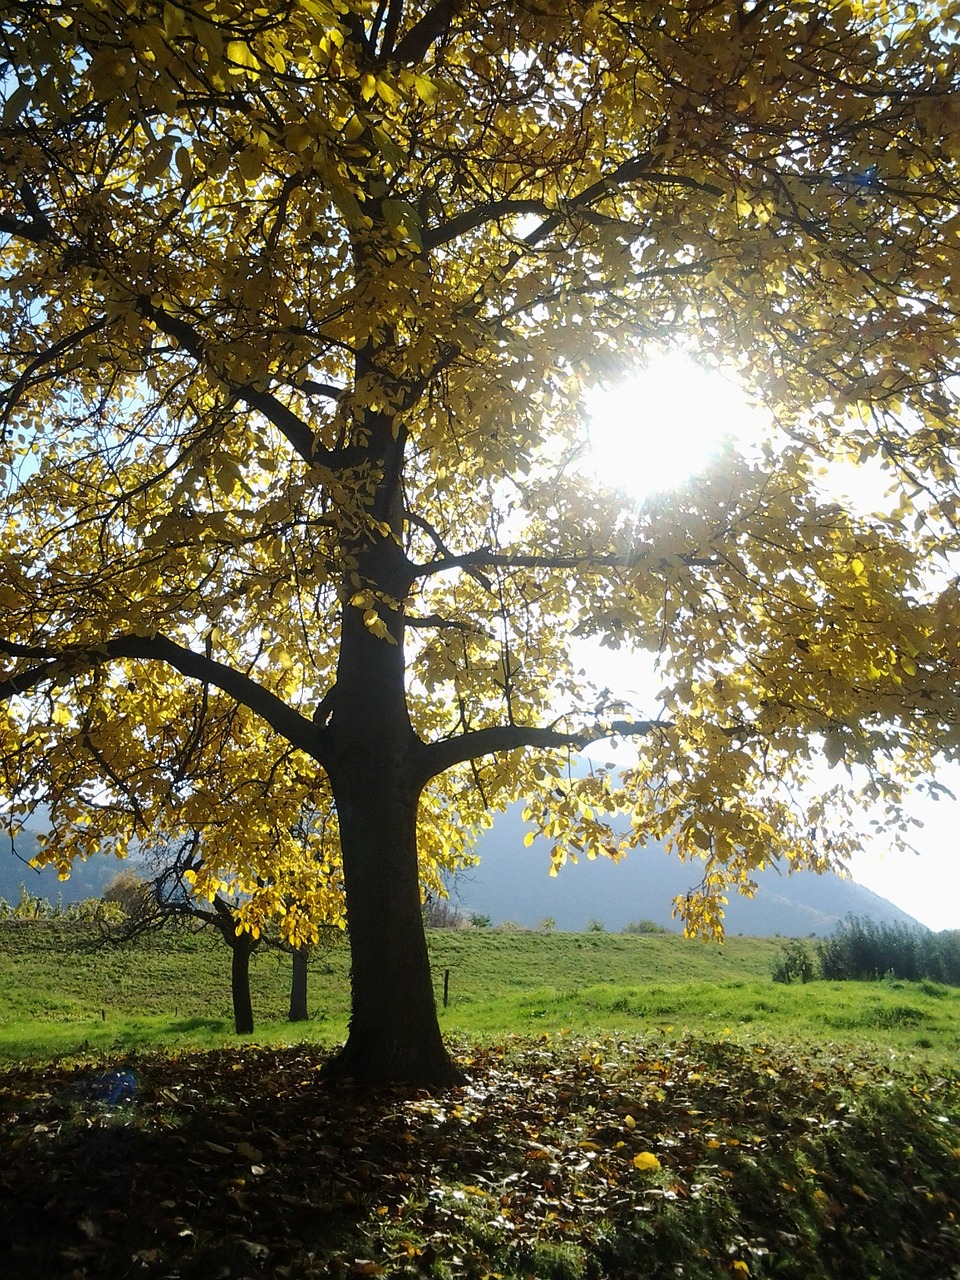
558	1159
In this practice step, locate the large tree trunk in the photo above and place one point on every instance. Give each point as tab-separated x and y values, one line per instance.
394	1031
298	986
373	762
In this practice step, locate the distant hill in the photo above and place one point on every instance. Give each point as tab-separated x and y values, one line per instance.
87	879
512	883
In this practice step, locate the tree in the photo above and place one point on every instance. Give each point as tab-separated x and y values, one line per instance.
130	892
166	899
301	304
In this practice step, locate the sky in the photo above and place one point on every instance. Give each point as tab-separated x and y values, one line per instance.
693	409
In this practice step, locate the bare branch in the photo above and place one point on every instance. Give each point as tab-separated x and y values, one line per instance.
436	757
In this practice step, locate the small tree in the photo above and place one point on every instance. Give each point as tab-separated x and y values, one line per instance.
643	927
794	964
167	899
128	891
440	913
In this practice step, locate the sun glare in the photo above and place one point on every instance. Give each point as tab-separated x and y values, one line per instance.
657	429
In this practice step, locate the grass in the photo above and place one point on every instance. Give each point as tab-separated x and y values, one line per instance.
636	1106
60	995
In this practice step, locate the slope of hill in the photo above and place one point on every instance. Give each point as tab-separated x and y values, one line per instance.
512	883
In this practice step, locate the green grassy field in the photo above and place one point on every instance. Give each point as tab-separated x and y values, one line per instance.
635	1107
61	995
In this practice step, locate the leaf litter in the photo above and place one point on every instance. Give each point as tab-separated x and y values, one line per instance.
604	1158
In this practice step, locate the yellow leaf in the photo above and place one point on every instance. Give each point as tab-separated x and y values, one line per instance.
646	1161
239	51
387	94
426	90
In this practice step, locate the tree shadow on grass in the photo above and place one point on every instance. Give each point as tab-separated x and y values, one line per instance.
560	1163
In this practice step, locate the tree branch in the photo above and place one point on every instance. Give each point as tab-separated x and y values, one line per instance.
626	171
437	757
470	218
291	426
58	348
287	722
38	232
390	28
424	33
16	685
472	561
296	431
434	620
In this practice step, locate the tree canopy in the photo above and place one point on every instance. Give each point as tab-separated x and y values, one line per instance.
301	302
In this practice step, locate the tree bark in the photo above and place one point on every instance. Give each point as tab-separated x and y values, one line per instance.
375	770
298	986
394	1030
242	948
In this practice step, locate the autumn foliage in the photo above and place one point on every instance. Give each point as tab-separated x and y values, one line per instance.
301	302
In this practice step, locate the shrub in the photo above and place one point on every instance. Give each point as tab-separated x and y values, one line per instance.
643	926
794	964
865	950
128	892
480	921
547	924
440	913
596	926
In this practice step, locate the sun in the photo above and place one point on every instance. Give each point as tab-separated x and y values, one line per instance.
658	428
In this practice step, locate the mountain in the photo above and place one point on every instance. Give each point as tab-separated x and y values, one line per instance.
87	879
512	883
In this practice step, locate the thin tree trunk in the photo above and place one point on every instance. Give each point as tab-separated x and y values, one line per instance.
242	948
298	986
241	945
